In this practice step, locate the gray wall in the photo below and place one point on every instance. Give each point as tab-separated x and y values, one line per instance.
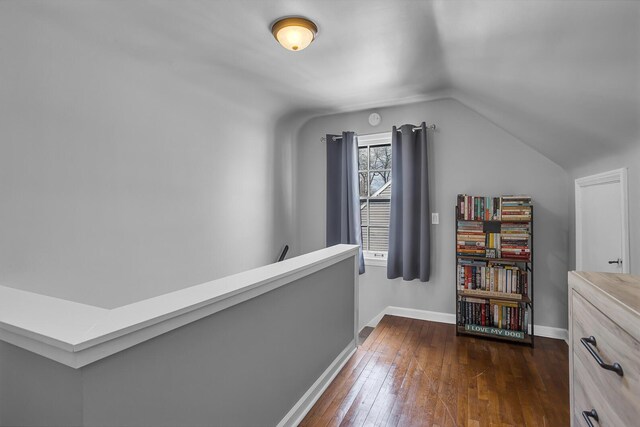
629	159
468	155
123	176
36	391
244	366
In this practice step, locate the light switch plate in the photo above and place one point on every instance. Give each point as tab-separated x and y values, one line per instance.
435	218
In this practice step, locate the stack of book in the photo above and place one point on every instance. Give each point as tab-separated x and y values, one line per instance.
516	208
505	315
470	239
489	277
493	245
470	274
514	240
478	208
487	208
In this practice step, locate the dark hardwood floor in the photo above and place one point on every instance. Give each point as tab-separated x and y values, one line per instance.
418	373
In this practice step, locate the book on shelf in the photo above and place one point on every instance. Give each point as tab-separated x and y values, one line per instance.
491	294
478	208
491	277
514	240
516	208
509	239
490	208
470	239
493	246
510	316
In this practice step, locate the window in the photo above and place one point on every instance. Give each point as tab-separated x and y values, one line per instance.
374	171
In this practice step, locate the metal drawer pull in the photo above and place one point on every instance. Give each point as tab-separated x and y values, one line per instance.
592	340
590	414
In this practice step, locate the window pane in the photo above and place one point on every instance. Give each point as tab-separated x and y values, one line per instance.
379	239
365	239
364	184
377	180
379	212
374	166
380	157
385	193
362	158
364	212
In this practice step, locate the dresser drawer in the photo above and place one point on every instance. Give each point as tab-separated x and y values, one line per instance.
588	395
616	398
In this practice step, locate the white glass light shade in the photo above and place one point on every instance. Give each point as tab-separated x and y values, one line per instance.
294	33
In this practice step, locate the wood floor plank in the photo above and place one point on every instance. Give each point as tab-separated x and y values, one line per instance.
398	387
446	406
338	407
419	373
360	407
325	408
390	389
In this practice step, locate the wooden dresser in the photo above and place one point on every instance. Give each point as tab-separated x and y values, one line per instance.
604	349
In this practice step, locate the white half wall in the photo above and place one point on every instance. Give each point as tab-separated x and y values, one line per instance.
469	155
261	360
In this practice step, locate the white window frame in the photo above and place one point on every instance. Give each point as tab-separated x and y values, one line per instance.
375	258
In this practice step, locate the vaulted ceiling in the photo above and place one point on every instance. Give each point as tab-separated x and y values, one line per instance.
562	76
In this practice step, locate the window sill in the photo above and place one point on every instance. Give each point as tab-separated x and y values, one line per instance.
375	261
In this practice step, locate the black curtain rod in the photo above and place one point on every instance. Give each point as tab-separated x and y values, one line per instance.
335	138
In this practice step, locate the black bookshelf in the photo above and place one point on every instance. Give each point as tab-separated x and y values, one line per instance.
526	301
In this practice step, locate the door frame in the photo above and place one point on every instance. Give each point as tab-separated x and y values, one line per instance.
614	176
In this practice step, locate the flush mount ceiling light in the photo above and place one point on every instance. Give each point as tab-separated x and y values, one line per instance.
294	33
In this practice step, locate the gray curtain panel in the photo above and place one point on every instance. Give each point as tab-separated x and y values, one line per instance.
409	233
343	196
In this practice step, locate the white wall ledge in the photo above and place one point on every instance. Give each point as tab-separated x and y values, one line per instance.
77	334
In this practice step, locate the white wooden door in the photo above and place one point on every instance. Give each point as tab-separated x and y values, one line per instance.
602	239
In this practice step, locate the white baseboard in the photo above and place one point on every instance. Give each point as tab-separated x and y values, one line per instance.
434	316
551	332
413	313
374	322
306	402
